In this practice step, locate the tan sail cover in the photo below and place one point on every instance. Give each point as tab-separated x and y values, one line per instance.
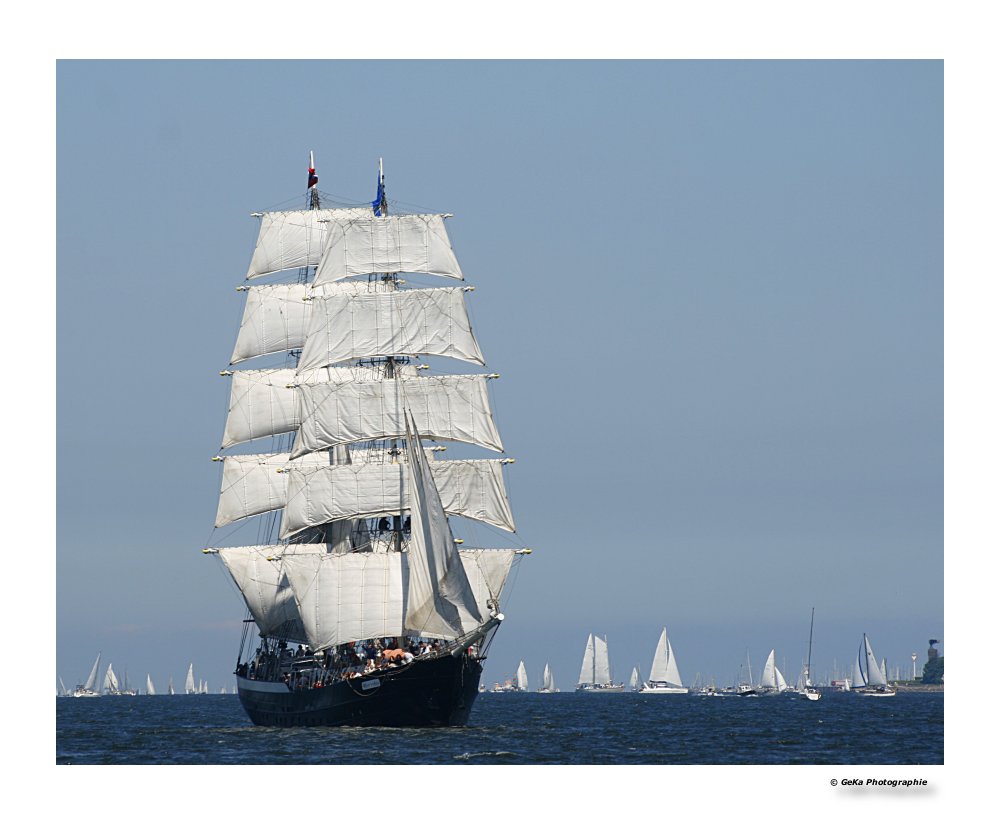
367	244
318	493
404	322
447	408
289	240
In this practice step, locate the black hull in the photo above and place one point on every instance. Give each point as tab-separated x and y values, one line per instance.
435	692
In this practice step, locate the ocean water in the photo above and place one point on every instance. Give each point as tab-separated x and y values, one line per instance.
521	728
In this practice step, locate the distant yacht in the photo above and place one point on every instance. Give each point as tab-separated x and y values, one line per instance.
664	676
189	687
772	681
150	690
635	681
548	682
595	673
522	678
869	678
88	689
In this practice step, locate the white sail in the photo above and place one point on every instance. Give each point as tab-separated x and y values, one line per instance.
149	685
587	668
91	683
319	494
170	686
447	408
767	678
260	574
487	571
548	682
293	239
522	677
395	243
261	404
664	667
276	317
602	666
189	686
634	681
405	322
858	676
346	598
779	680
110	681
439	597
873	673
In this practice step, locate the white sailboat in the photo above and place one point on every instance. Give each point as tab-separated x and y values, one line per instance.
189	686
771	680
358	557
170	685
595	672
110	685
150	690
89	689
63	692
869	678
522	678
634	681
664	676
805	686
548	682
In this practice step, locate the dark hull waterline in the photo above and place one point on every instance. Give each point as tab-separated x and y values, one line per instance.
435	692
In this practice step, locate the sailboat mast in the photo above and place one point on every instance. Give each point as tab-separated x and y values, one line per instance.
812	616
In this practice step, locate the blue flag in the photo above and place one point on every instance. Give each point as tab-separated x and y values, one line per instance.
378	204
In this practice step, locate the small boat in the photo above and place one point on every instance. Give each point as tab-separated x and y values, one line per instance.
88	689
595	673
664	677
548	682
150	690
746	688
869	679
189	687
635	681
170	685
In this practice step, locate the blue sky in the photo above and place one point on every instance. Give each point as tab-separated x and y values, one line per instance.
714	291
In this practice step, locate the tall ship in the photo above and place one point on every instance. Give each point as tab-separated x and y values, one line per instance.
363	607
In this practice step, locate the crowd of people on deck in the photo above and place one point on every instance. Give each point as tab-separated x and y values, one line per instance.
301	668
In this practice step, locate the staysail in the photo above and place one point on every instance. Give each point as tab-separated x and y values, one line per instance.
439	597
522	677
